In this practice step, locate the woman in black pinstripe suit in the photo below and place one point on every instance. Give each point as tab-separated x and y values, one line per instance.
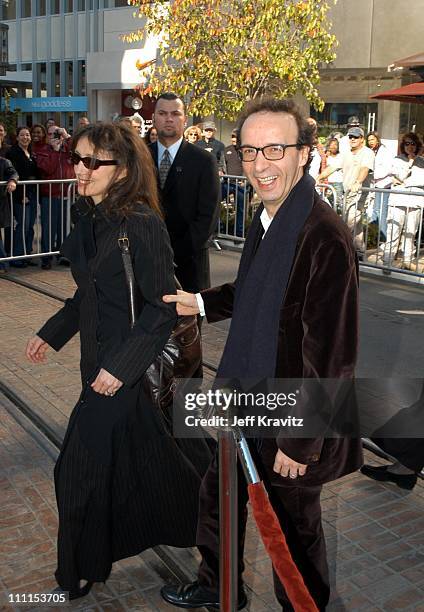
122	484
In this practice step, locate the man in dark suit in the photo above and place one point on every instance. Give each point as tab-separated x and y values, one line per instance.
190	192
294	309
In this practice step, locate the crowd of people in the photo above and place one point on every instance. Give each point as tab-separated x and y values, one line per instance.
39	153
354	161
121	474
346	163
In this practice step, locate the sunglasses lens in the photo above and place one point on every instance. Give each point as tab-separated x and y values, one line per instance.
91	163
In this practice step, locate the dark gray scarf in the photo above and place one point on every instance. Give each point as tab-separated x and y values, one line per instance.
251	348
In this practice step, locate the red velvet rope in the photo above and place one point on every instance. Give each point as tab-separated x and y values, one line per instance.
276	546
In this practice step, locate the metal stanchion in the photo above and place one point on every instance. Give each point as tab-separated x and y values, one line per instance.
228	522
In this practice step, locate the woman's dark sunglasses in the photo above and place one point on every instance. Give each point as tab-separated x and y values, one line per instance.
408	143
92	163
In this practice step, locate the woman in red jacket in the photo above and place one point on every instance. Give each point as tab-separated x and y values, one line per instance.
55	164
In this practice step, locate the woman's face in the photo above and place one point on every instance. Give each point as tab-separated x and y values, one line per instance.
2	132
333	147
95	183
192	136
24	138
37	134
153	135
372	142
410	147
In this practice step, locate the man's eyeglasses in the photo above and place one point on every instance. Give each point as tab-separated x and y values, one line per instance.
272	152
408	143
353	137
92	163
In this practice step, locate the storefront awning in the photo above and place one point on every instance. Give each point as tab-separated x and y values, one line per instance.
413	93
409	62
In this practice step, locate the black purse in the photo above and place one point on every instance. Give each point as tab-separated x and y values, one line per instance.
182	355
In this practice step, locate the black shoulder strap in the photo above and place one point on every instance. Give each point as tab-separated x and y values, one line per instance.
124	245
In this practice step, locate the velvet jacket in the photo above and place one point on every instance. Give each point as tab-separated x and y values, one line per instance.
190	200
318	335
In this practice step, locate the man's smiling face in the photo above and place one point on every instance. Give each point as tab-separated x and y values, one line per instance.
273	180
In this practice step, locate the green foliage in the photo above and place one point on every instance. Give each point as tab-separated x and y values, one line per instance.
7	117
220	53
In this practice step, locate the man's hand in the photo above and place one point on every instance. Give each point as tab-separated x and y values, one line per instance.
288	467
186	302
11	186
36	350
106	384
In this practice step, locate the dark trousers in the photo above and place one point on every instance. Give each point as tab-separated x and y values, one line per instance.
299	512
53	224
25	216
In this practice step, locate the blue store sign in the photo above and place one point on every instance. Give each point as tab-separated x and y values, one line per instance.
50	105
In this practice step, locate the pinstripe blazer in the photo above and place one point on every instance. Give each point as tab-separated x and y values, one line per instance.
99	308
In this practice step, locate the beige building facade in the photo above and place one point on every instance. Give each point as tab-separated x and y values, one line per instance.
71	48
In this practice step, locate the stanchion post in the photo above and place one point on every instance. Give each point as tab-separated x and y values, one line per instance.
228	522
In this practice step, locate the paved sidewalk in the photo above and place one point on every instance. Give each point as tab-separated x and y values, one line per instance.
375	532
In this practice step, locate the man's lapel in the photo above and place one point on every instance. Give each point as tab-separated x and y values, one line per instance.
153	147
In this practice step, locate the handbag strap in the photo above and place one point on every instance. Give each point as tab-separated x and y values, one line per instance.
124	245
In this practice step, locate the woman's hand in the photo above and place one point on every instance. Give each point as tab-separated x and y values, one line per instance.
186	302
106	384
36	350
11	186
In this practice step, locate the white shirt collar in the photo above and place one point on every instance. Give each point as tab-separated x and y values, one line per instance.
173	150
266	221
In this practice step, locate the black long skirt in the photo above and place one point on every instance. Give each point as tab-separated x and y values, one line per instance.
122	485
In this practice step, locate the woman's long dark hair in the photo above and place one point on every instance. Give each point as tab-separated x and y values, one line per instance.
125	145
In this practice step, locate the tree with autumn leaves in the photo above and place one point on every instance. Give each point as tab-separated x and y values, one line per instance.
220	53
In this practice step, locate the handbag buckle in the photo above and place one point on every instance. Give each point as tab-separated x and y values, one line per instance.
124	242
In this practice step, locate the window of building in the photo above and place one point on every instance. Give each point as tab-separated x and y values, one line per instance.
42	79
41	8
335	116
25	8
55	76
81	84
69	87
69	6
118	3
81	5
55	7
9	9
26	66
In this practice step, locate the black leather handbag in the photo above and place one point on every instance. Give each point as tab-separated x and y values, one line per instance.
182	355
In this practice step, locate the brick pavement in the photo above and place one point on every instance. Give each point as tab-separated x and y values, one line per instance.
375	532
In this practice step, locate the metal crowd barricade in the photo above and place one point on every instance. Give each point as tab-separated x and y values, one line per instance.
237	208
399	247
387	236
42	213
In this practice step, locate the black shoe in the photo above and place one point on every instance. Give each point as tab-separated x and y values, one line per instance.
64	262
193	595
31	262
76	593
381	473
46	265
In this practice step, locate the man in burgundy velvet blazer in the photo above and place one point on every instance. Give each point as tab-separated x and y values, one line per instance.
317	328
